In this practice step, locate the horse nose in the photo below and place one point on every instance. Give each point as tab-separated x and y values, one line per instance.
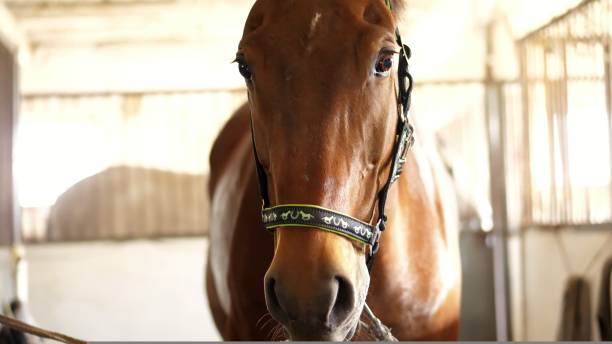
309	304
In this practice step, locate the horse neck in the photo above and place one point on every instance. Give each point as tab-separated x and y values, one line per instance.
420	210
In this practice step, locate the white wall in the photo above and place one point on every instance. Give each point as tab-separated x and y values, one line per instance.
546	275
137	290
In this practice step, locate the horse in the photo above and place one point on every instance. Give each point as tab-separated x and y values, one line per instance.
319	132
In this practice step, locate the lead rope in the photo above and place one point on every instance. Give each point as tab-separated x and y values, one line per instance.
378	330
16	325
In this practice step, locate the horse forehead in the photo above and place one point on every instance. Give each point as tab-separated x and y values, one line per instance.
326	24
297	21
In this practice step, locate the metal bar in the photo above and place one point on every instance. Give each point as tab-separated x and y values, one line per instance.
573	78
6	143
552	194
526	190
595	227
562	98
495	136
137	93
10	213
608	83
10	223
555	40
531	35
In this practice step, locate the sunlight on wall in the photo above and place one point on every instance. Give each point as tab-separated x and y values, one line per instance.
63	154
64	139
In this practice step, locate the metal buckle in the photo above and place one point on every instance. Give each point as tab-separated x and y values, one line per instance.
404	143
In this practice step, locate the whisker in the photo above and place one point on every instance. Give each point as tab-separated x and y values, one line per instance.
267	323
260	319
272	331
279	333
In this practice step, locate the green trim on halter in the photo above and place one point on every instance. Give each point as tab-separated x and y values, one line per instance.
317	217
389	4
354	238
315	207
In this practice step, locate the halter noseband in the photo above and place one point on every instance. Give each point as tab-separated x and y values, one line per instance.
316	217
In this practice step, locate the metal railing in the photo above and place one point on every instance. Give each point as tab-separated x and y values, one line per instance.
565	171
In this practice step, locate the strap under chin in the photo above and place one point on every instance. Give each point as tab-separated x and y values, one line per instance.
309	216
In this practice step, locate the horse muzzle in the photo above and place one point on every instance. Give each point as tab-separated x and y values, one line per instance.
321	309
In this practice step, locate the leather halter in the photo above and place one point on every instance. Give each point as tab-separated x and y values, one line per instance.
316	217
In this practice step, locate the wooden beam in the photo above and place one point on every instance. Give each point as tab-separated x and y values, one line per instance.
130	23
55	3
9	223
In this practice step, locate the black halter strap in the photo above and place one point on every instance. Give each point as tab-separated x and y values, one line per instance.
316	217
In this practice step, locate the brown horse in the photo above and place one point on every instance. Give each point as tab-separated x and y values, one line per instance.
324	113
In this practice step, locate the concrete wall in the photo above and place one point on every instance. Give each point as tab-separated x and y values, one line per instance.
140	290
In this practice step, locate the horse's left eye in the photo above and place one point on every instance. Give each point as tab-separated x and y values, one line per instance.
243	67
384	64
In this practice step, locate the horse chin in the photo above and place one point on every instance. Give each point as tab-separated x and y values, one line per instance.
323	337
343	333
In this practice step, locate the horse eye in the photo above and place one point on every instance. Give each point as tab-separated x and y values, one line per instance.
384	64
244	70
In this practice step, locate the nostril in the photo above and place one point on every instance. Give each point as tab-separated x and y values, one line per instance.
271	295
345	300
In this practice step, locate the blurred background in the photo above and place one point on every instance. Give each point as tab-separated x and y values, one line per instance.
108	110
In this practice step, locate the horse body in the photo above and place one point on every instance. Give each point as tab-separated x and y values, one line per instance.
415	282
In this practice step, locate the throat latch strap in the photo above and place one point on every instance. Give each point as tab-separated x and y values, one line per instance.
303	215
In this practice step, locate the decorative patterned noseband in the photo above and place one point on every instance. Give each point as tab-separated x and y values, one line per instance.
316	217
311	216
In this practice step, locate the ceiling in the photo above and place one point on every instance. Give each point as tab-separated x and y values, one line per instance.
70	22
95	44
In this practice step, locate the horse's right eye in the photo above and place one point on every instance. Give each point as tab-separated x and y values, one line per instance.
244	70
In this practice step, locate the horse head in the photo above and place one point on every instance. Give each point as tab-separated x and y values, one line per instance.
323	99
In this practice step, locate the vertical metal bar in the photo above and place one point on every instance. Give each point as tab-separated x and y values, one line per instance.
552	194
525	178
10	232
527	189
495	130
6	142
608	85
567	215
10	214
